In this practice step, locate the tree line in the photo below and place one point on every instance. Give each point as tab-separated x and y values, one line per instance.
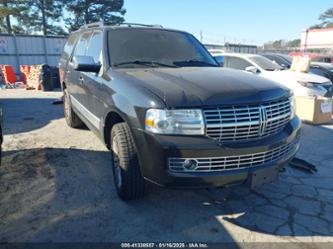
326	20
56	17
282	44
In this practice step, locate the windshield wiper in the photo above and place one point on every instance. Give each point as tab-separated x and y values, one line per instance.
195	62
145	63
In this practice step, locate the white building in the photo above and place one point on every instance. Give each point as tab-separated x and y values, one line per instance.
317	39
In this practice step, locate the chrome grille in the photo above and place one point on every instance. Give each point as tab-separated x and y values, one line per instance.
232	162
246	122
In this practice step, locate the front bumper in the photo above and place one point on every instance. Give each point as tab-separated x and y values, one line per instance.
155	152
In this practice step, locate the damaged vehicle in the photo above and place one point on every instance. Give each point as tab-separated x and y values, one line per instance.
170	115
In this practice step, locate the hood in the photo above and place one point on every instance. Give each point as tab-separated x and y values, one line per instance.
297	76
204	86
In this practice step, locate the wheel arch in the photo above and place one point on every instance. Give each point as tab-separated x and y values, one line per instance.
112	118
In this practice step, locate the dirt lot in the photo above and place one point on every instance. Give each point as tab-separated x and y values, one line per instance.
56	185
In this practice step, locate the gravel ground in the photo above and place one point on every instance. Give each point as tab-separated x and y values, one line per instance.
56	185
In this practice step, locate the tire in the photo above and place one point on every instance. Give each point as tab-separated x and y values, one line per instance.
47	86
128	179
71	117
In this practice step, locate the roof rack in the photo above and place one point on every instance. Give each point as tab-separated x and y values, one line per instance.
140	25
93	25
102	24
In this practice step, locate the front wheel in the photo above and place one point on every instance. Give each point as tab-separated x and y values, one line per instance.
125	165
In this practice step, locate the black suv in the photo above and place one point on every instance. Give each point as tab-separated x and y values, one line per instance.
169	114
1	135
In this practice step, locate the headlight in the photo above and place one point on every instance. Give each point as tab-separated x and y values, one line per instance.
292	107
178	122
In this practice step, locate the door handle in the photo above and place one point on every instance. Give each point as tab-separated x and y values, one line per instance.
81	80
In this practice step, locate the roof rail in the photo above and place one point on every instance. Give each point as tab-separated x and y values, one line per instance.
141	25
93	25
101	24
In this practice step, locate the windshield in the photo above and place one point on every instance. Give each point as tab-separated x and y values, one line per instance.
265	63
279	60
156	48
287	58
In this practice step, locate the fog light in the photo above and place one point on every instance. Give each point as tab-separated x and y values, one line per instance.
190	164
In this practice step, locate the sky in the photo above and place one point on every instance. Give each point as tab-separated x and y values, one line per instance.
240	21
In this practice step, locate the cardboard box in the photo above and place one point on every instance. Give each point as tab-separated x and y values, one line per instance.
316	110
300	64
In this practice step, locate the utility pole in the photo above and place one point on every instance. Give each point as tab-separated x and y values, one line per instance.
201	36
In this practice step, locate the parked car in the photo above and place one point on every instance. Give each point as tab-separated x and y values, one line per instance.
302	84
327	66
169	114
318	68
322	69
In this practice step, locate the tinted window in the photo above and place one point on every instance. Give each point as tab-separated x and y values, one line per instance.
81	46
161	46
287	58
265	63
279	60
95	46
237	63
68	48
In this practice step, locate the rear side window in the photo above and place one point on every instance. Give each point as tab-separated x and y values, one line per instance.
95	47
237	63
68	48
81	46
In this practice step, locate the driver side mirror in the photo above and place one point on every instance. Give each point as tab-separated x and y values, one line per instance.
85	64
251	69
219	60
